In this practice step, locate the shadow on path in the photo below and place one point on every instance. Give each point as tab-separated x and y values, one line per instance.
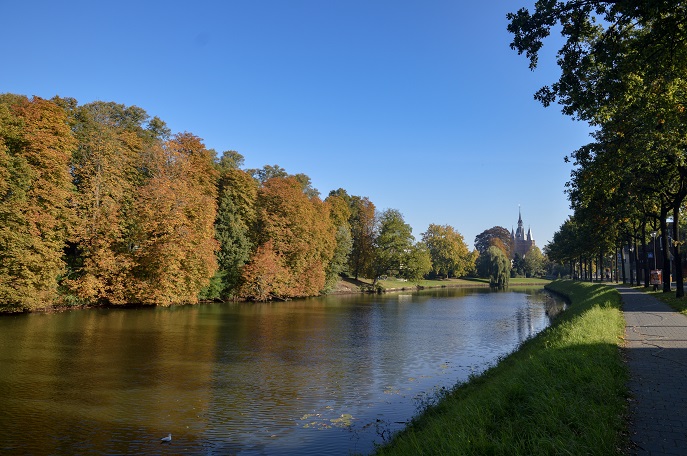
656	349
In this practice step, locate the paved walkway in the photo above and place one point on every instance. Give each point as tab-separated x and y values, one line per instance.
657	358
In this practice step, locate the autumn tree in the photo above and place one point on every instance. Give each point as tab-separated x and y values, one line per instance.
175	245
106	168
301	231
35	188
265	277
449	253
496	236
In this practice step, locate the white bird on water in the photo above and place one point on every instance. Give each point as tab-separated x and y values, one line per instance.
166	439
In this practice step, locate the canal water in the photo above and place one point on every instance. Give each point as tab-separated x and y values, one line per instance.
332	375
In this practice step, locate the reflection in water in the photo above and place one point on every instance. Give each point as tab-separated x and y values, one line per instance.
328	375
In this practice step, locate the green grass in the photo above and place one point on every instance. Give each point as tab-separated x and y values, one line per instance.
392	283
526	281
562	392
395	283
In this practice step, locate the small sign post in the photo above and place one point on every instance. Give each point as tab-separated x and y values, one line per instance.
656	278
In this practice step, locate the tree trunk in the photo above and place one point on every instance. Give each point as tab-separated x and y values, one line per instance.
677	253
629	261
622	264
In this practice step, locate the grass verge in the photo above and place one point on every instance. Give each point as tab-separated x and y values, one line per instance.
563	392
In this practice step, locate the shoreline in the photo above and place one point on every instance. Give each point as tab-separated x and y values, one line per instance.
344	287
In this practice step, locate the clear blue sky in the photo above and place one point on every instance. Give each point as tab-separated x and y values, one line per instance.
419	105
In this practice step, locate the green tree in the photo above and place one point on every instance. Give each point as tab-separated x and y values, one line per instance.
449	253
340	213
534	263
268	172
230	160
362	223
623	70
417	264
306	183
518	266
236	218
392	244
496	267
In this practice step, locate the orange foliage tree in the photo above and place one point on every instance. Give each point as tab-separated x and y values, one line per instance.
265	277
106	169
174	252
301	232
35	186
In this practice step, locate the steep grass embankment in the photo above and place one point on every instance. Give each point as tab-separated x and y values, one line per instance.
563	392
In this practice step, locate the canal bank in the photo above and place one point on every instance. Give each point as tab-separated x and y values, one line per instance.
343	287
563	391
349	285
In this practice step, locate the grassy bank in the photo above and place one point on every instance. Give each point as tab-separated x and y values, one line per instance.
396	284
563	392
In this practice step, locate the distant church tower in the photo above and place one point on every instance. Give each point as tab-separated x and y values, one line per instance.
522	243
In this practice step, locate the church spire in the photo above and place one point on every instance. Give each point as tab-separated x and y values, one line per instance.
522	241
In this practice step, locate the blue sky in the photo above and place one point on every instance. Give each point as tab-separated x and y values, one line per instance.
419	105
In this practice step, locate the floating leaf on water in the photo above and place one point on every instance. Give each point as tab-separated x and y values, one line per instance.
346	419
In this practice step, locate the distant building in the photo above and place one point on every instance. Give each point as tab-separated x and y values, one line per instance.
522	243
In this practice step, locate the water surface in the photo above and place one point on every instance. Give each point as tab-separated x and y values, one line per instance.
331	375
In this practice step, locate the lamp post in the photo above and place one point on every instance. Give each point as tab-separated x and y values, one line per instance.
653	235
